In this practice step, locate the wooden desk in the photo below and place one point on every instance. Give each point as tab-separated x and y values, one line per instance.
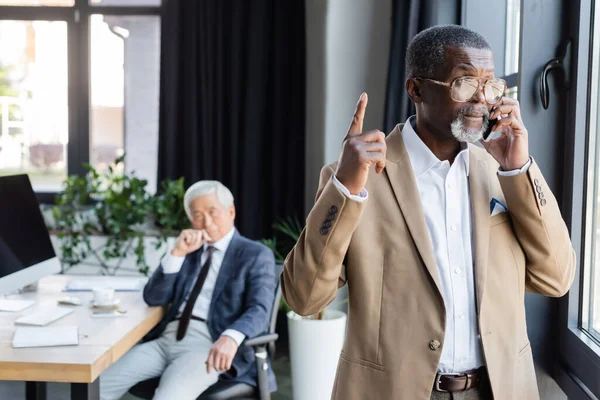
102	341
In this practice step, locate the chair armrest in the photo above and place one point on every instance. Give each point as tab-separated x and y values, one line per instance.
261	340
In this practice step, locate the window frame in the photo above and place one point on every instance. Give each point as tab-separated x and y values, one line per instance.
77	18
579	353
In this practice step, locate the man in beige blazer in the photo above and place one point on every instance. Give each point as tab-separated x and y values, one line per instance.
439	241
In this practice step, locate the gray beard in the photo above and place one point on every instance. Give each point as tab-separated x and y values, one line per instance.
468	135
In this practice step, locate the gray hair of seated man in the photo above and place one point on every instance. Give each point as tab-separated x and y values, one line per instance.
203	188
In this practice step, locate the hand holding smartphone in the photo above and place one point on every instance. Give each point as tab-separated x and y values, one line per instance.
488	136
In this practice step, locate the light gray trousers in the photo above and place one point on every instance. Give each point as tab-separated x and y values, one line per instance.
181	365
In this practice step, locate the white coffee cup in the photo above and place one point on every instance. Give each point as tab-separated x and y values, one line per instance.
103	296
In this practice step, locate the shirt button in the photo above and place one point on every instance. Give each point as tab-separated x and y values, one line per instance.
461	316
449	186
453	228
457	271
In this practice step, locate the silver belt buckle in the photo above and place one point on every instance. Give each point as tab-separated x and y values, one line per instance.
438	380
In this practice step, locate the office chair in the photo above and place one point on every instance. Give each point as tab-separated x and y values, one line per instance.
264	347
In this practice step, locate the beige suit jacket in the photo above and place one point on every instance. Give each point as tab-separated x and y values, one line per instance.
381	249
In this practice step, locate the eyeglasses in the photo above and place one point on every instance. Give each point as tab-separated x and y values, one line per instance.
464	88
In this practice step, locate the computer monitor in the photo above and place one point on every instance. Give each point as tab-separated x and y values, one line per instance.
26	252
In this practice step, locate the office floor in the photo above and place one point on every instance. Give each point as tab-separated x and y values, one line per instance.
61	391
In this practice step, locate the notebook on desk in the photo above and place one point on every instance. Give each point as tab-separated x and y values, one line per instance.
46	337
15	305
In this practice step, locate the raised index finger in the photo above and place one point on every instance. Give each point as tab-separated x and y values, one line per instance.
356	125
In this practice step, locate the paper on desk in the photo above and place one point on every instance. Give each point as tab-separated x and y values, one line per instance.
118	284
108	314
14	305
46	336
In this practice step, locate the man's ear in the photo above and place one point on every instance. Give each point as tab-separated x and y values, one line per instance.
413	88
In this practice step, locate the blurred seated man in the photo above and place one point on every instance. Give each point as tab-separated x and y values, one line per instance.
219	288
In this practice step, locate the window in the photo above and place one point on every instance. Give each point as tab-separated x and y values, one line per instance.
580	334
125	60
59	3
33	101
590	319
590	311
125	3
79	83
513	30
511	47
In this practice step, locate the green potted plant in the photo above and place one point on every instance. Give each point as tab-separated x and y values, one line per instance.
118	208
287	231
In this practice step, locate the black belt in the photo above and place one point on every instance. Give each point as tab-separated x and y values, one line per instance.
194	318
459	382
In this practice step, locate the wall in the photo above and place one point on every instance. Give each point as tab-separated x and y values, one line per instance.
347	51
541	33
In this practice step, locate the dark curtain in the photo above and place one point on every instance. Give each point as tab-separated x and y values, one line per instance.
407	21
233	103
410	17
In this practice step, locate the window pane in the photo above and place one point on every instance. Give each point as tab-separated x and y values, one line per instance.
591	292
33	101
125	63
64	3
513	30
125	3
512	92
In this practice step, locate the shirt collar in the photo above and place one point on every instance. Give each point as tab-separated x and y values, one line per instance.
421	157
223	243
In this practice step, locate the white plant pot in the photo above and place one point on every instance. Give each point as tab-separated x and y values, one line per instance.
315	347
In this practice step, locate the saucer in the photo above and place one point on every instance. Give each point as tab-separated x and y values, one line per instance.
114	303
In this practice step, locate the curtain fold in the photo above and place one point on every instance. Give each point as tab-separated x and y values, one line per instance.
233	103
407	21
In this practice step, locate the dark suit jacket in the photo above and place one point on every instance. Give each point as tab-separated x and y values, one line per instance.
242	299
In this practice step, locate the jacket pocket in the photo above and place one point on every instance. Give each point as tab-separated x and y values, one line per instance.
524	350
498	219
361	362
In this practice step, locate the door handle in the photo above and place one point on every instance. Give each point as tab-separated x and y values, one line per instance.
555	63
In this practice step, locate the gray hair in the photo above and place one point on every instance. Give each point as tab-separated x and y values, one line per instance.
426	52
203	188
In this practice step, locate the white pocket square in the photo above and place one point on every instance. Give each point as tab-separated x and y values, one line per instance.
496	207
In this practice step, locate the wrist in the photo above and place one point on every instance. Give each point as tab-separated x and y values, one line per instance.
178	253
515	165
354	191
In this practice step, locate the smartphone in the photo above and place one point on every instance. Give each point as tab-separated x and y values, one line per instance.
487	136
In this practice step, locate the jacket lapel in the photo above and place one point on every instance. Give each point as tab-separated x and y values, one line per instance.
480	212
402	179
227	267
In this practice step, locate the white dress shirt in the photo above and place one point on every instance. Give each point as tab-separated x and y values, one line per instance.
172	264
444	191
